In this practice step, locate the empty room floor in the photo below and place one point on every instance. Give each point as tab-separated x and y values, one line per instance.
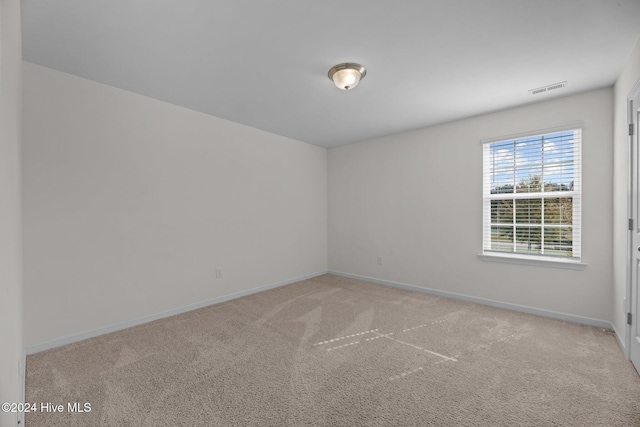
332	351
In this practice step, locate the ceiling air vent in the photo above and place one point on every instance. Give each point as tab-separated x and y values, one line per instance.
548	88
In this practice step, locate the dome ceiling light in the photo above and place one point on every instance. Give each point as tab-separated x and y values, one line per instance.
347	76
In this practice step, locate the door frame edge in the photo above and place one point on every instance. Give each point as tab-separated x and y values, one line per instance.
635	91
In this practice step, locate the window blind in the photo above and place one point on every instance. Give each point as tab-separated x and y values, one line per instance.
532	194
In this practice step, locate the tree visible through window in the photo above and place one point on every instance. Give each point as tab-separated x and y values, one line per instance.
532	194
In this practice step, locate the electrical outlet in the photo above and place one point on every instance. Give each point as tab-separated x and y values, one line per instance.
218	273
380	260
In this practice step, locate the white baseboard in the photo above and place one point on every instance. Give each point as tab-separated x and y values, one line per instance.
499	304
620	340
37	348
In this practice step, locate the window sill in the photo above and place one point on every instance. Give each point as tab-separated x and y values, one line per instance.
538	261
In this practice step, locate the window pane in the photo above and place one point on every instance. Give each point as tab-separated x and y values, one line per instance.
558	210
529	164
558	177
558	241
528	240
529	211
502	238
502	167
559	161
502	211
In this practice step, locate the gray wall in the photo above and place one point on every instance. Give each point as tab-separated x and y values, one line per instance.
415	199
11	342
130	205
628	78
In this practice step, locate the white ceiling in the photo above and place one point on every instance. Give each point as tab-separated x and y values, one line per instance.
264	63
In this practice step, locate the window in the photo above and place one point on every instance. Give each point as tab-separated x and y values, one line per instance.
531	195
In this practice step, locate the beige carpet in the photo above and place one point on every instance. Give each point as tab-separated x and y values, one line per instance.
332	351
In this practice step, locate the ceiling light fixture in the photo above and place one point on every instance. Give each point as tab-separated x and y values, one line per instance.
347	76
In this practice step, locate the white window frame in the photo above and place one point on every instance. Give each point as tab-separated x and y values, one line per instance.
574	261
